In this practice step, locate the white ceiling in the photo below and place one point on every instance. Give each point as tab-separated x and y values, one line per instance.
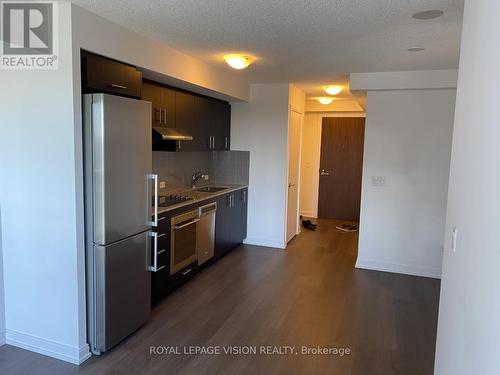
309	42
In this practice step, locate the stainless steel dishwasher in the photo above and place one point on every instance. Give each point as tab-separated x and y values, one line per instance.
205	232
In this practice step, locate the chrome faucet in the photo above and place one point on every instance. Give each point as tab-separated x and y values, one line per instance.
196	176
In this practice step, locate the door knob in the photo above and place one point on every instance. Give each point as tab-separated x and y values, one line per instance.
324	173
291	185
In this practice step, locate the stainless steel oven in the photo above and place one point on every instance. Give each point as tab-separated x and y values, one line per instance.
183	240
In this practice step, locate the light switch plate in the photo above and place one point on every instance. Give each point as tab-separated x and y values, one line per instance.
378	181
162	184
454	234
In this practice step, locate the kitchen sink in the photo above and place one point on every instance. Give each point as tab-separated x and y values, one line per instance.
210	189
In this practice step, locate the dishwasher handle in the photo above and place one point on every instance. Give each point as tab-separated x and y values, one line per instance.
207	209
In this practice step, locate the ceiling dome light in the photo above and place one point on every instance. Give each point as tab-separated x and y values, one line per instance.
325	100
428	14
333	90
237	61
416	49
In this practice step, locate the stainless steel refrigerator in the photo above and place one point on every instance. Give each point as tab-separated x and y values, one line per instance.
118	216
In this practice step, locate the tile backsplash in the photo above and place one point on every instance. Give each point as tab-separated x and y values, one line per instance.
223	167
230	167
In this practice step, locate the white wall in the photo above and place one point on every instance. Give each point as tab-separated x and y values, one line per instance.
37	174
407	80
408	137
41	176
297	99
338	105
261	127
2	299
310	160
469	313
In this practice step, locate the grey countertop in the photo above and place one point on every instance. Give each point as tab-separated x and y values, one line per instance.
199	196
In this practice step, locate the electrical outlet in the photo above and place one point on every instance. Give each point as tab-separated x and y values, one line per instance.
378	181
162	184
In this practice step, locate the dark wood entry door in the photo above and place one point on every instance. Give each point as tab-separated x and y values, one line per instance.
341	166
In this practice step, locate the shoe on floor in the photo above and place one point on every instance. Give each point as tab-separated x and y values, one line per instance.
347	227
308	225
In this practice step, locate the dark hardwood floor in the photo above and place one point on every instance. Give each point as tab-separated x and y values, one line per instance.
309	295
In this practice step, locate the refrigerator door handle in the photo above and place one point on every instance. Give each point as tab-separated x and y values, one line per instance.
154	267
154	222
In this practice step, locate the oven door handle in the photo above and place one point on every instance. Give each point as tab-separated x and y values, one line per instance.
187	224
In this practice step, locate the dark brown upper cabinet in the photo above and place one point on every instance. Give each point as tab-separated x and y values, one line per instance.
185	118
100	74
203	111
207	120
163	100
221	126
214	123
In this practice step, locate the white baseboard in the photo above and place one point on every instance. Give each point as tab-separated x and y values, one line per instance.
46	347
310	214
264	242
407	269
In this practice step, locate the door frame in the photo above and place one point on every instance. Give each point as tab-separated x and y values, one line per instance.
285	226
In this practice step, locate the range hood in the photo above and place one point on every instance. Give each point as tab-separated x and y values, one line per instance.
171	134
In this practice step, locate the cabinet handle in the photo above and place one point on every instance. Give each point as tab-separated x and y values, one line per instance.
119	87
157	112
186	272
225	143
244	196
165	116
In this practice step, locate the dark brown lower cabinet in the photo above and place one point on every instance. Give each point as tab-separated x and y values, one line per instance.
230	221
160	280
183	275
230	231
